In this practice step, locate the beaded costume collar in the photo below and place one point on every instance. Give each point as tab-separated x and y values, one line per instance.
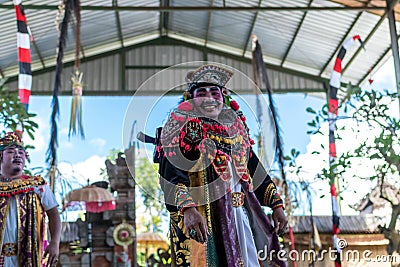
20	185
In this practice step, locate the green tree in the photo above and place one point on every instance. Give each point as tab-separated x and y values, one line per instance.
147	180
112	155
13	112
298	187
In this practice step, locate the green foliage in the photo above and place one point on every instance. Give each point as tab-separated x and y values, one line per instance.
298	188
381	149
371	110
374	110
12	112
112	155
147	180
311	110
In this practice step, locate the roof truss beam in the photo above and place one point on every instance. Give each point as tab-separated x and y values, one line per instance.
38	53
371	33
202	8
253	24
390	7
341	41
208	25
118	21
295	34
170	41
376	63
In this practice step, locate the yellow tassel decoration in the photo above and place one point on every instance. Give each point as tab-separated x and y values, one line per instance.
75	124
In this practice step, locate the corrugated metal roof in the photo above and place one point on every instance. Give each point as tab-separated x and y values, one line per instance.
348	224
299	39
103	75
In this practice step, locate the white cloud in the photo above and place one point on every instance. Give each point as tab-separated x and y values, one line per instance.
64	131
99	143
84	170
40	136
64	141
66	144
384	78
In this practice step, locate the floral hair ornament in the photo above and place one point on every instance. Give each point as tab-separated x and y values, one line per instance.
185	106
234	105
11	138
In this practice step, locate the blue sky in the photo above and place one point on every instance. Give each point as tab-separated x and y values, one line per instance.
104	123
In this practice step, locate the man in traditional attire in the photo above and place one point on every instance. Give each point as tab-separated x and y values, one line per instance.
24	201
214	184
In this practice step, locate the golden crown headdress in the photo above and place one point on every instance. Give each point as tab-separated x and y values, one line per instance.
11	138
211	74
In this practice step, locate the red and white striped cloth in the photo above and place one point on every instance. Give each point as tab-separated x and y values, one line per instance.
24	54
333	103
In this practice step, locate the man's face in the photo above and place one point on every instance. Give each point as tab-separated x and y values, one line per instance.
13	160
208	100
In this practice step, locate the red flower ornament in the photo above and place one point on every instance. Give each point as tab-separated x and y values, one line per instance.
234	105
185	106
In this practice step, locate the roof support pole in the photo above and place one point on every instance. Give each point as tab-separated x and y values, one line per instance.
395	45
